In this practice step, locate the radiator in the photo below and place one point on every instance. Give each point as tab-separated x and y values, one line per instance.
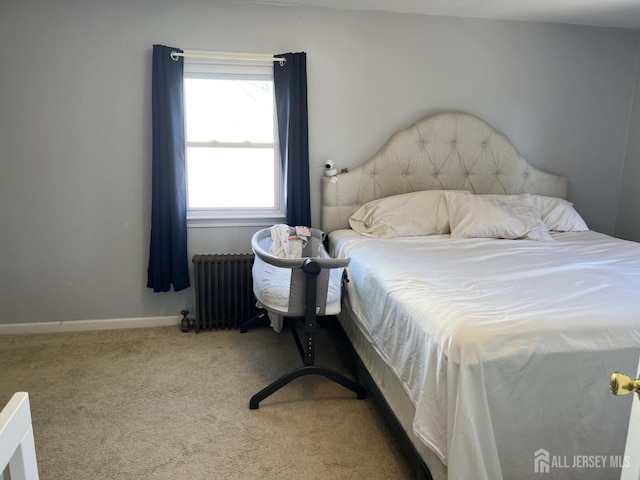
224	290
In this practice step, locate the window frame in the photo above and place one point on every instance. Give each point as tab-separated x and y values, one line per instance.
252	216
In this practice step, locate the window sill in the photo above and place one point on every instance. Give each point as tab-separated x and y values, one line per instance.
224	221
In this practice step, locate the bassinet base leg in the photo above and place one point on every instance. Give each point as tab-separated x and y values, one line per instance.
252	321
349	384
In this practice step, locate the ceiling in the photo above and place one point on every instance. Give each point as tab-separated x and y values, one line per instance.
606	13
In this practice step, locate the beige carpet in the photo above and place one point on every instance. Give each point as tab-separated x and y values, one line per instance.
161	404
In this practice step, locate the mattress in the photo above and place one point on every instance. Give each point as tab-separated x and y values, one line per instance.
504	348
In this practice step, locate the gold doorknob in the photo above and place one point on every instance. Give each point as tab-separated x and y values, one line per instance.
622	384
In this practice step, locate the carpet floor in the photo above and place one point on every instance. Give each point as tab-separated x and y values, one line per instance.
161	404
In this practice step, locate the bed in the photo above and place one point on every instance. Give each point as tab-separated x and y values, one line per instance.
485	312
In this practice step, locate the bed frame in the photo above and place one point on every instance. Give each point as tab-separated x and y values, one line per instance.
444	151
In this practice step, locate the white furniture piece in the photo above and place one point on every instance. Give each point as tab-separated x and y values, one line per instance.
17	447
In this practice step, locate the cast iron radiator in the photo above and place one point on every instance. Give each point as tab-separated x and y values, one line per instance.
224	290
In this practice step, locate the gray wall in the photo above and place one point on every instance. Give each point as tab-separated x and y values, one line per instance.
75	124
628	220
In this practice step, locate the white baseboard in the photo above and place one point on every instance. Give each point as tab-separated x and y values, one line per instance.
79	325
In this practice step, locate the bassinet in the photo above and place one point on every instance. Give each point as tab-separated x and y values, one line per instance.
308	286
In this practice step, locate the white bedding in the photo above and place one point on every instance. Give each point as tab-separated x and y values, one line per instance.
504	346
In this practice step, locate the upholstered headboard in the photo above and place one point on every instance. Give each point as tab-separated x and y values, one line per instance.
445	151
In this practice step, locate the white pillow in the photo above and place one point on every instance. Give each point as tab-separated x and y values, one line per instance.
559	215
408	214
495	216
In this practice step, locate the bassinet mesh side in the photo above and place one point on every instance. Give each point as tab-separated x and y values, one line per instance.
283	290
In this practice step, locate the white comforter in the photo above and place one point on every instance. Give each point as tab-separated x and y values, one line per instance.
505	346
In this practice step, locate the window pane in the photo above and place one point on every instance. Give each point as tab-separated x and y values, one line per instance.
229	110
230	177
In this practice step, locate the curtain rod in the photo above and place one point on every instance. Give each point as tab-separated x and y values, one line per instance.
248	57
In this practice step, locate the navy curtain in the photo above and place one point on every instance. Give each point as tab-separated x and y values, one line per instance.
290	86
168	263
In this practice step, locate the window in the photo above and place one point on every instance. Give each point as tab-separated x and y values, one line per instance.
233	166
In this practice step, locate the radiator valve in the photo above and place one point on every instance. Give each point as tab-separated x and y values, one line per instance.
185	323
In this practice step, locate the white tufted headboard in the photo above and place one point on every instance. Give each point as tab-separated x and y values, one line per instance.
445	151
